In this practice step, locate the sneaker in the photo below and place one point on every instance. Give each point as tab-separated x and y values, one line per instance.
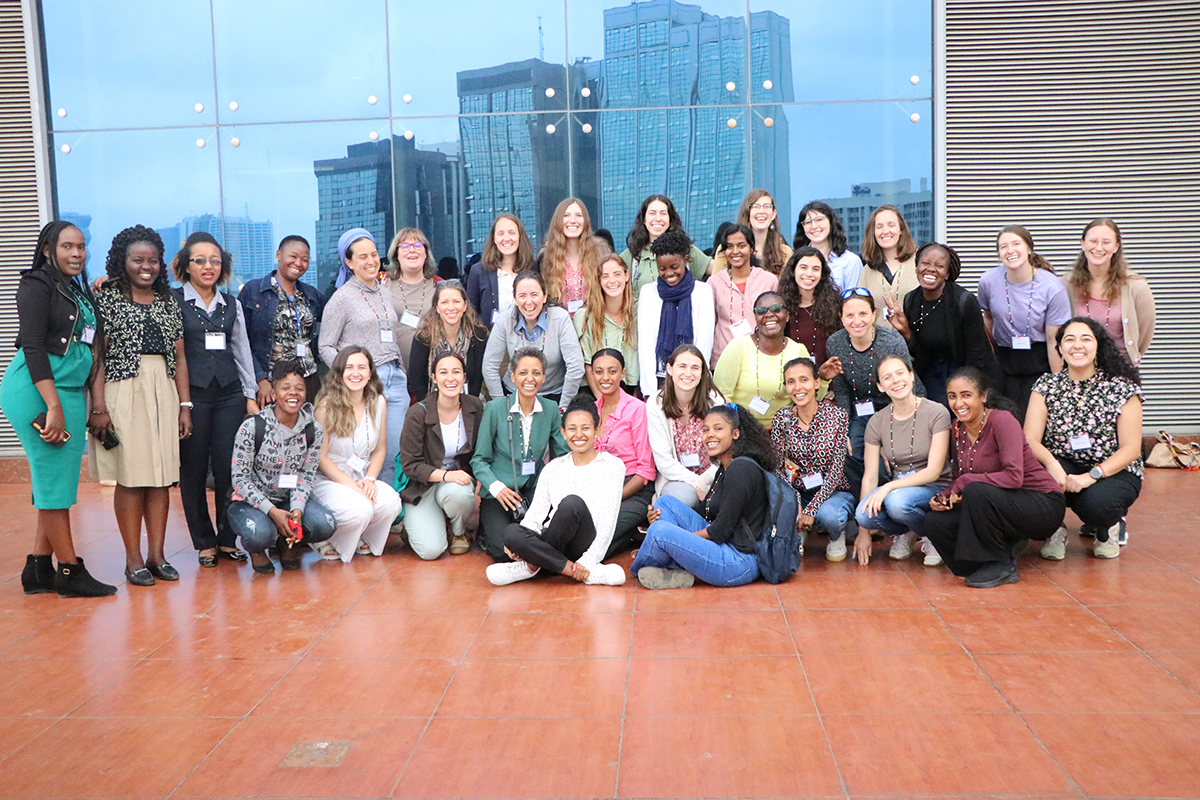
932	559
459	545
606	575
1123	536
901	546
836	551
511	572
662	578
1109	548
1087	531
1055	548
993	574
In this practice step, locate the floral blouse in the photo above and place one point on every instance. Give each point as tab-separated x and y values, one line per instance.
294	324
820	449
688	440
1090	407
134	330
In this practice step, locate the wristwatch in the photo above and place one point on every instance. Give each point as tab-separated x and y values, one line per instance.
1096	473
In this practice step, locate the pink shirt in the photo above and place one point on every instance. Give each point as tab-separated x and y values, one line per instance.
626	436
734	305
1108	315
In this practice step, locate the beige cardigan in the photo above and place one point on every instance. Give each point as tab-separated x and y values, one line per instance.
906	281
1137	314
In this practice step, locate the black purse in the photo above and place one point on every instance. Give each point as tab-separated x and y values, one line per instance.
517	514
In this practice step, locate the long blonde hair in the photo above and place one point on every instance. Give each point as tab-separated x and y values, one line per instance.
554	252
593	311
339	409
773	258
1080	278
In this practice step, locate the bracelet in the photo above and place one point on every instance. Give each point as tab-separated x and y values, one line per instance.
97	413
187	404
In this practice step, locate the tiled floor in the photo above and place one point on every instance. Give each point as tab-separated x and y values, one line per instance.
420	679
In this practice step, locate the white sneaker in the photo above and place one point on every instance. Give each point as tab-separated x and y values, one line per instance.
605	575
932	559
1123	536
1055	548
1110	548
836	551
511	572
901	546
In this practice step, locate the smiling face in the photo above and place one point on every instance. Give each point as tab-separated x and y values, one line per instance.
142	265
608	373
506	236
573	221
293	261
718	435
773	319
1099	244
70	254
1078	346
816	227
363	259
887	230
356	373
808	273
737	250
410	254
657	219
801	386
686	372
579	429
530	299
933	269
451	305
762	213
289	393
966	401
448	376
204	266
528	376
895	378
1013	251
671	267
614	276
857	318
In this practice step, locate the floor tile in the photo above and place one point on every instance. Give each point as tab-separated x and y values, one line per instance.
726	757
883	630
851	589
735	686
359	687
98	635
943	590
1155	627
1165	586
221	635
1031	630
440	593
16	733
758	596
549	757
557	595
1183	665
897	683
552	636
398	636
517	687
712	633
52	687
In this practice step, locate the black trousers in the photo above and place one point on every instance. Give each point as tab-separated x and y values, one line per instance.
985	525
1104	502
1021	369
632	514
568	536
493	522
215	419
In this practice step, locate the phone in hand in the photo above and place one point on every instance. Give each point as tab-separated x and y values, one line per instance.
39	425
296	529
110	440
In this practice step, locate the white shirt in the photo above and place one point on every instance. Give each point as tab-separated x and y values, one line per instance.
453	438
526	430
845	267
598	484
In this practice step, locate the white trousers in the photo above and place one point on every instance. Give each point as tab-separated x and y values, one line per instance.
358	519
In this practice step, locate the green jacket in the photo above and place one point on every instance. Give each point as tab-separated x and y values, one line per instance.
493	459
645	269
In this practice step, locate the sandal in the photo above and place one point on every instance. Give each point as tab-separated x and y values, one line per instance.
207	560
326	551
363	549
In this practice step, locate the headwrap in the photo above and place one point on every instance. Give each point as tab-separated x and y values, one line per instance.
348	238
675	322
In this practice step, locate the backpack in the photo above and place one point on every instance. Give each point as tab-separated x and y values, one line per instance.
780	547
260	433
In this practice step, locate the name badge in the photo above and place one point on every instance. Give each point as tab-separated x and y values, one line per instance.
288	481
214	341
759	406
87	335
741	328
689	459
528	467
356	464
1021	343
864	409
574	305
812	480
905	474
410	319
386	336
1081	442
301	350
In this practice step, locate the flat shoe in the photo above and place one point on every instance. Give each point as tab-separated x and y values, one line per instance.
232	555
139	577
265	569
207	561
163	571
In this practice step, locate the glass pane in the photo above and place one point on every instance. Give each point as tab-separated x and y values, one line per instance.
279	63
145	64
161	179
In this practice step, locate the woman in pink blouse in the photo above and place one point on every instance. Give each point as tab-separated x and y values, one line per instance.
735	289
568	259
623	433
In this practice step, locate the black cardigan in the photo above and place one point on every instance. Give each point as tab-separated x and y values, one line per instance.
736	505
46	313
970	346
418	366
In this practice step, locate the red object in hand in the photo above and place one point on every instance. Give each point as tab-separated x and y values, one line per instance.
296	529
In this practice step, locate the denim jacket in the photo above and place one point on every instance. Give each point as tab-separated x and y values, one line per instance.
260	304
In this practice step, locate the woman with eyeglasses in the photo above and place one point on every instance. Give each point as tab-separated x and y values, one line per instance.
506	254
450	323
568	258
609	319
223	391
676	310
758	214
942	322
1102	286
656	216
410	282
811	298
887	250
750	372
819	226
734	288
1024	305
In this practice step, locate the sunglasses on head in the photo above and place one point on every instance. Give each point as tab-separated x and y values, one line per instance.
773	308
856	292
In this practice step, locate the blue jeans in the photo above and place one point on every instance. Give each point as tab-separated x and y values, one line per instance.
395	392
682	491
903	510
672	543
258	532
835	517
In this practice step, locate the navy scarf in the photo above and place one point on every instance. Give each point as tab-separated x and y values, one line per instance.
675	322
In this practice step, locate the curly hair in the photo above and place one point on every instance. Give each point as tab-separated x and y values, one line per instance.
1080	279
554	252
827	304
594	306
335	396
492	258
954	265
179	264
114	263
872	253
672	243
1108	358
754	441
639	234
837	233
772	259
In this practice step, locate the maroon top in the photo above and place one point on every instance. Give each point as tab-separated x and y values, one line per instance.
803	329
1000	456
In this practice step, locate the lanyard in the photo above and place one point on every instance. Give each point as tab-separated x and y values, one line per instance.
757	368
404	297
733	289
1107	310
912	439
1028	309
853	381
925	314
294	303
960	433
383	322
807	310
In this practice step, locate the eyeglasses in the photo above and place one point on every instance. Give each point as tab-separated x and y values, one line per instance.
856	292
763	207
812	222
774	308
411	246
200	262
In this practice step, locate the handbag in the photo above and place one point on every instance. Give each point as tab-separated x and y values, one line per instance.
517	513
1168	454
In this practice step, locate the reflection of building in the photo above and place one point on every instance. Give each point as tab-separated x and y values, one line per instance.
666	53
917	208
252	244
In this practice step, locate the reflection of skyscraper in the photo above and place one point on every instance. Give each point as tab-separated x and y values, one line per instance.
664	53
917	208
250	243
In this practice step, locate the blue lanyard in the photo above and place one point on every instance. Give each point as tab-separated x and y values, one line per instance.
292	302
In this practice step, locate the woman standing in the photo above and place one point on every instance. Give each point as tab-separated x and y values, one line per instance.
352	412
609	320
532	323
676	310
221	377
675	422
734	289
887	250
142	399
435	453
758	214
449	324
568	260
571	517
1084	424
812	301
656	216
912	436
750	372
716	544
811	440
819	226
506	254
515	435
413	278
999	496
48	376
1102	286
1023	306
361	313
941	322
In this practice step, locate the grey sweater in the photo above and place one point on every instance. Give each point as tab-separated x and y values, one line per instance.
564	358
355	315
857	381
284	450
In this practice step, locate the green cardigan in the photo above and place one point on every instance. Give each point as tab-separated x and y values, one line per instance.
645	270
492	460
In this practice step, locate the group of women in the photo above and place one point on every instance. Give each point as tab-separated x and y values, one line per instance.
632	395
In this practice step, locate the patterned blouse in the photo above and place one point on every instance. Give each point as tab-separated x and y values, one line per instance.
820	449
134	330
294	324
688	440
574	286
1089	407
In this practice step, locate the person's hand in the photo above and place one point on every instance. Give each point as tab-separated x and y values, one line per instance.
862	547
1059	474
939	503
652	515
874	503
830	369
575	570
96	284
367	487
280	518
508	499
1077	483
185	422
99	424
266	393
55	430
804	522
895	313
954	500
457	476
252	406
513	555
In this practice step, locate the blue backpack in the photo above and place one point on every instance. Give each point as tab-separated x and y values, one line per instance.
780	547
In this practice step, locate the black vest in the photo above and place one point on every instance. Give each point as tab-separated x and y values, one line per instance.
205	365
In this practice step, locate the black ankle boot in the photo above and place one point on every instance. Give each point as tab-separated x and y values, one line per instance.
73	580
38	575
